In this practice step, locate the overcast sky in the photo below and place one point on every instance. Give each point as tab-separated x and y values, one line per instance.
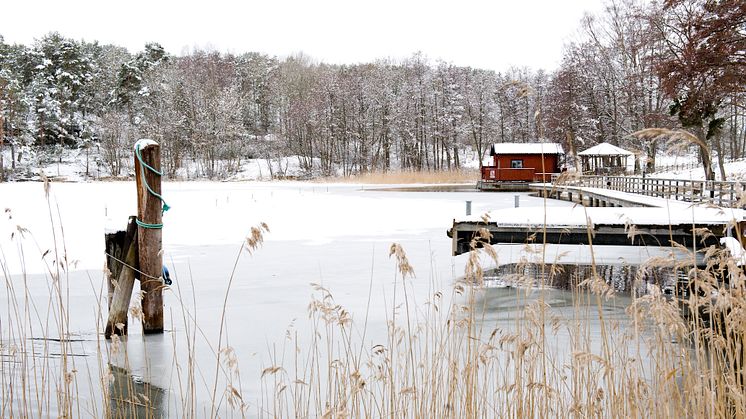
487	34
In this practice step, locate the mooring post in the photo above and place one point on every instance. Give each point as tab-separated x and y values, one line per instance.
468	207
113	245
517	200
119	300
149	233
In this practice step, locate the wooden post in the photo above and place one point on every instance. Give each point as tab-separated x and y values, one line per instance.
149	240
119	299
732	201
741	233
115	254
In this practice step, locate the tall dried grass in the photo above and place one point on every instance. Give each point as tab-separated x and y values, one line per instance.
412	176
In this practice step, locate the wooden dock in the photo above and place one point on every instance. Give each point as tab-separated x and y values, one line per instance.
726	194
607	216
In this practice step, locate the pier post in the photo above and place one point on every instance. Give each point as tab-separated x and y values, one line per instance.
517	201
468	207
149	233
741	233
113	244
119	297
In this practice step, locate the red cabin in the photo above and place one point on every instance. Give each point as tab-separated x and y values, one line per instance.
514	165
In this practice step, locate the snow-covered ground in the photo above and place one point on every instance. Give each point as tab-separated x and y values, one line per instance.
734	171
80	165
77	165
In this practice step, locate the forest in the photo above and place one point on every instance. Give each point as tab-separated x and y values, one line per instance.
641	75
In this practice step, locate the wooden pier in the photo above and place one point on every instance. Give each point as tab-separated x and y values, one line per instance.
725	194
615	210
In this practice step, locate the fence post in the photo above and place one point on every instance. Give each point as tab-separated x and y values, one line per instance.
732	195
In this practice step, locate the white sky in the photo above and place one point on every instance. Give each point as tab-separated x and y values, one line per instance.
487	34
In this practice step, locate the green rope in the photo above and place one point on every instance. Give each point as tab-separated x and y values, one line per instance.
165	207
147	225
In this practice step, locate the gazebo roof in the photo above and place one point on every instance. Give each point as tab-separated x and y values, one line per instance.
605	149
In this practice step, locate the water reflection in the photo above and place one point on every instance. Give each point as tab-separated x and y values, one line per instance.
131	397
622	278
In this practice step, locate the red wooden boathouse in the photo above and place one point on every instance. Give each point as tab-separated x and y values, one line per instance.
514	165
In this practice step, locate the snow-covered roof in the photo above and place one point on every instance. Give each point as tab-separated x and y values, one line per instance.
605	149
526	148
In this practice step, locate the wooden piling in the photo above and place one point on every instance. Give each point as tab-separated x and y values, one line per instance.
114	244
119	300
149	239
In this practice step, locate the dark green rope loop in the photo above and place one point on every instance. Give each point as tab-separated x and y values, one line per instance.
164	206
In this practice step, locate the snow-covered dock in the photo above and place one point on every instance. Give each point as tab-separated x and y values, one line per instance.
607	217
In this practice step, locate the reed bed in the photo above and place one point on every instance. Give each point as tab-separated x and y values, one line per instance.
447	358
412	177
447	361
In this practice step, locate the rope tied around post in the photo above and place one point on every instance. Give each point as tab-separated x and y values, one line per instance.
164	206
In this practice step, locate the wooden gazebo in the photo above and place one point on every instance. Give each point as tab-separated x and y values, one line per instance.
604	158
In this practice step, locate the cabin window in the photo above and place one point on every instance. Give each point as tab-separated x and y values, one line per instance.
516	164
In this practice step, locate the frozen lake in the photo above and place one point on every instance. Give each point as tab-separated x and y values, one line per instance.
335	235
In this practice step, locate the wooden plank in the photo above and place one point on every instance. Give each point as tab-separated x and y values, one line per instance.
150	239
116	323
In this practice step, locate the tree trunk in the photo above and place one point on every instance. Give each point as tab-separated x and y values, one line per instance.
571	150
705	153
650	164
721	159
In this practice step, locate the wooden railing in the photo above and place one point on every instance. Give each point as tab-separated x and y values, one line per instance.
689	165
724	194
510	174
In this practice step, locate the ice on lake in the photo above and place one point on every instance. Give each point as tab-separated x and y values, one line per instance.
335	235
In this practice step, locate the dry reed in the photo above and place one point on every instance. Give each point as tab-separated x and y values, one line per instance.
411	177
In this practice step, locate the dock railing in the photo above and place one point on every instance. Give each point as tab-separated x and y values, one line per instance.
725	194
